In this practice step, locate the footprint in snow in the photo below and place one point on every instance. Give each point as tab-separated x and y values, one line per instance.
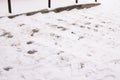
80	37
96	26
74	24
34	31
62	28
32	51
51	25
87	23
60	52
88	28
55	35
81	26
8	68
6	34
57	26
20	25
111	29
60	20
29	42
90	18
72	32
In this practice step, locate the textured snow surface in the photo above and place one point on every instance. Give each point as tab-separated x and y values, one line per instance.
70	45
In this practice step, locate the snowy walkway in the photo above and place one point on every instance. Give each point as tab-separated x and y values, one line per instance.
70	45
74	45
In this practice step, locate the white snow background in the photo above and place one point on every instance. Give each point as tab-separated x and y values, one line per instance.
70	45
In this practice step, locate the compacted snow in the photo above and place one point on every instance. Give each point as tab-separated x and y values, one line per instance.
70	45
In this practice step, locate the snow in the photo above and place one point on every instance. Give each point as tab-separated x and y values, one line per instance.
70	45
22	6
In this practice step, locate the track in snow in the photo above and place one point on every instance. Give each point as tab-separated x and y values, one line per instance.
70	45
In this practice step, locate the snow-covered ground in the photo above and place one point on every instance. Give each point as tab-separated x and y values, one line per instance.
70	45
